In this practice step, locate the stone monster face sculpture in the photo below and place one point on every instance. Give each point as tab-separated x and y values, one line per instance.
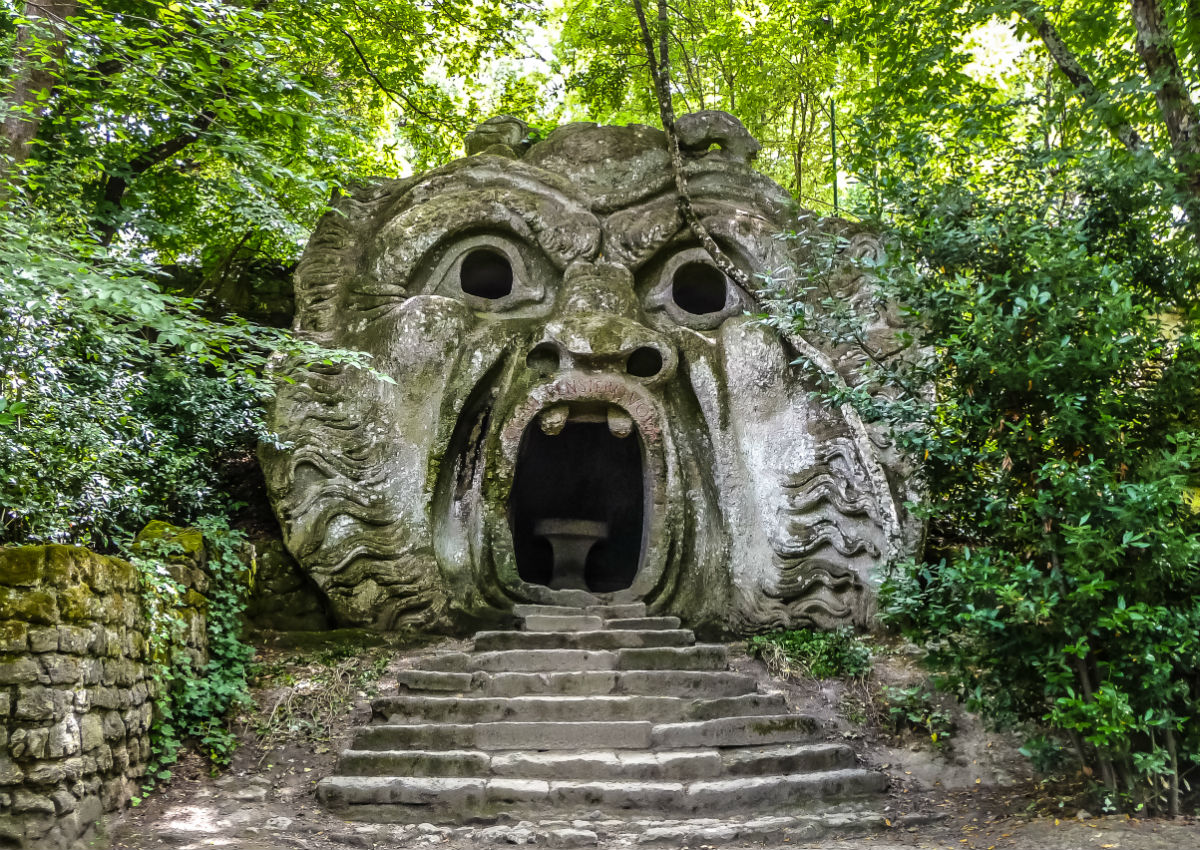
579	407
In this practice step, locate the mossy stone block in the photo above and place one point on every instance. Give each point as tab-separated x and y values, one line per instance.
14	636
79	603
22	566
32	606
189	540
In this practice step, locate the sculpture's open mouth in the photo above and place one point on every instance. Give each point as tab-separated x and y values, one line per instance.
578	501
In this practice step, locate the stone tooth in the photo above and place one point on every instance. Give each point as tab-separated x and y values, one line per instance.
553	419
620	423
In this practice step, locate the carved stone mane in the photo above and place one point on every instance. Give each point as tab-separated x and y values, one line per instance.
581	405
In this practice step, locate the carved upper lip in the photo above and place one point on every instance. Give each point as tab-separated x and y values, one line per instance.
585	397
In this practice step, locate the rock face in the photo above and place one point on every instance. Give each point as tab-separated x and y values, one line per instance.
588	709
578	406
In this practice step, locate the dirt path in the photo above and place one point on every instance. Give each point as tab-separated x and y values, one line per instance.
975	793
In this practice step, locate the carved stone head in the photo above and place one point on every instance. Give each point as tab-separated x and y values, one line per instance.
581	404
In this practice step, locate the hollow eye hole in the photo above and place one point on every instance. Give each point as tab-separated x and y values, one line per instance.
699	288
486	274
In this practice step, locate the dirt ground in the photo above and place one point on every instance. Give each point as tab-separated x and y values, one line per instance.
973	791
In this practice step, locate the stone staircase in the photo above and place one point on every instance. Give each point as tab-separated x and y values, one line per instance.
586	710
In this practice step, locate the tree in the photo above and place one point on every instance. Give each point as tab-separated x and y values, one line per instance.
158	152
1042	223
775	66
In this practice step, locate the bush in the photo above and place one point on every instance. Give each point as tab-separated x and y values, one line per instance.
1051	394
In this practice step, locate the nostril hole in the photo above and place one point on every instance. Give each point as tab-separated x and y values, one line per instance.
645	362
543	359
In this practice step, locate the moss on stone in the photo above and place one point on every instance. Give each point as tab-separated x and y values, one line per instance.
33	606
78	603
190	541
22	566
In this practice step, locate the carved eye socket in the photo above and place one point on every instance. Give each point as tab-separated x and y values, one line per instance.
693	292
492	273
485	273
699	288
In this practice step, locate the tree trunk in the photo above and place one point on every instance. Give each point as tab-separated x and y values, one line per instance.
1179	113
1073	71
39	46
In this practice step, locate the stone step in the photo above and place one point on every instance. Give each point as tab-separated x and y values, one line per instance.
642	623
601	765
562	623
551	735
702	656
699	657
442	709
701	684
604	612
591	623
737	731
406	798
599	639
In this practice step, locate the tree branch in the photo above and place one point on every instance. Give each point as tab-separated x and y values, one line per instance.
399	98
1073	71
115	185
660	73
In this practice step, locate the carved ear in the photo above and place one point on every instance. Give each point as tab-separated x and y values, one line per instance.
699	131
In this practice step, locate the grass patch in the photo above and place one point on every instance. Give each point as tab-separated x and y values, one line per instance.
805	653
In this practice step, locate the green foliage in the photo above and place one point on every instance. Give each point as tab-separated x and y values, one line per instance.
914	709
772	64
818	654
1051	393
183	148
120	400
192	700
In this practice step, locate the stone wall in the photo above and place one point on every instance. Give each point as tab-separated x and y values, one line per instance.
75	692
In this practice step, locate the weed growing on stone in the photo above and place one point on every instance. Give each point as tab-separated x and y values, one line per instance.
913	709
193	696
315	693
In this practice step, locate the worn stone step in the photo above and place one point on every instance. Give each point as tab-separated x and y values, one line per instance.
505	735
605	765
755	793
737	731
614	735
605	612
562	623
639	623
630	765
703	656
405	798
434	680
415	736
417	762
600	639
691	764
542	661
442	709
802	758
443	662
704	684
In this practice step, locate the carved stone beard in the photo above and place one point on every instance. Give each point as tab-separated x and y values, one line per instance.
579	406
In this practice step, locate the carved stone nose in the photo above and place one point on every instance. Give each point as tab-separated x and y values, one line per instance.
598	332
598	288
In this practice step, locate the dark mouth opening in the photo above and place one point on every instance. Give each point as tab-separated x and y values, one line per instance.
577	504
